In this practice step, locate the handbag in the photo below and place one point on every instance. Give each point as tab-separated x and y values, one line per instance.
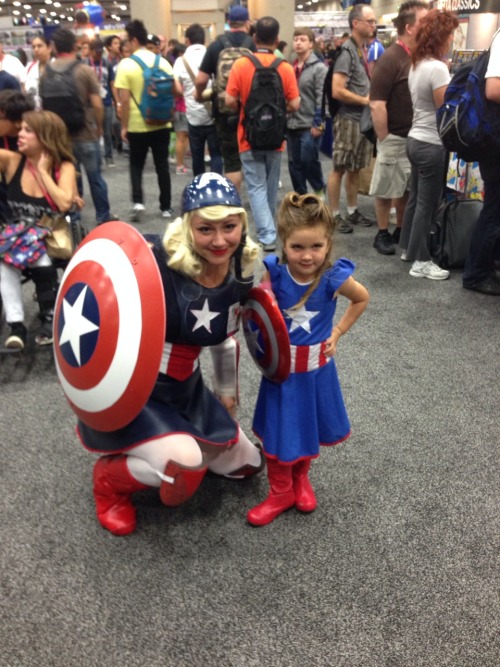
59	241
366	125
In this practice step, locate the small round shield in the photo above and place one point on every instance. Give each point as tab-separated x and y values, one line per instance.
109	326
266	335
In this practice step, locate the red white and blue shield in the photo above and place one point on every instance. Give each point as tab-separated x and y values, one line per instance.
109	326
266	335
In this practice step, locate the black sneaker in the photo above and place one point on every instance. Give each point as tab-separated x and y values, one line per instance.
342	225
489	286
383	243
45	337
17	338
359	219
396	235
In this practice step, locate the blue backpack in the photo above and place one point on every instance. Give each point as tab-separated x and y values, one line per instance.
157	99
468	123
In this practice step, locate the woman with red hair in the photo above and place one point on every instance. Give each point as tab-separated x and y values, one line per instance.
428	79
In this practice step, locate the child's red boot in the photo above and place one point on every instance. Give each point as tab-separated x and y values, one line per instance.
305	500
281	495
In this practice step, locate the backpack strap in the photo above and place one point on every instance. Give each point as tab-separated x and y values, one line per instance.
258	65
138	61
256	62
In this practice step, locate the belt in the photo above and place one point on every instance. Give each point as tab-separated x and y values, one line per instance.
306	358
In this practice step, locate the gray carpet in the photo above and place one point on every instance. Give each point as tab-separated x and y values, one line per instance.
398	567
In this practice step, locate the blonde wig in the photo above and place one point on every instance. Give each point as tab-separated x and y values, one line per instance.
178	241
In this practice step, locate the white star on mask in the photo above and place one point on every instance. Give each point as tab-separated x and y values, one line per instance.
301	318
204	317
76	324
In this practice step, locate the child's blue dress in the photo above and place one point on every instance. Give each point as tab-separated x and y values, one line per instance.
295	417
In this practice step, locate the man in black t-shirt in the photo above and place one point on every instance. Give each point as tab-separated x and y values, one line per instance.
226	125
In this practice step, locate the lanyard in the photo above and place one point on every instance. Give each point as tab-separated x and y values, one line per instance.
403	46
362	57
99	74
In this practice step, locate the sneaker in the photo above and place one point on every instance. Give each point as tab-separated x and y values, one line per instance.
428	270
268	247
359	219
489	286
207	158
172	159
17	338
396	235
321	194
383	243
404	256
167	213
112	218
110	162
342	225
46	336
182	170
137	213
280	185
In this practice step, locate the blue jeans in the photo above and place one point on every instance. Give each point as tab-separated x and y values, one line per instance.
108	131
485	241
303	161
428	162
261	170
88	155
198	136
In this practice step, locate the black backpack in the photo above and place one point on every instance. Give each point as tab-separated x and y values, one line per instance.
60	94
265	108
329	105
452	230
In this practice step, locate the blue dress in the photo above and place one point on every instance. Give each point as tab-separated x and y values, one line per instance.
295	417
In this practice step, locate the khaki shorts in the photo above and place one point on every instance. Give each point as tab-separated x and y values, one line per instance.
391	176
351	150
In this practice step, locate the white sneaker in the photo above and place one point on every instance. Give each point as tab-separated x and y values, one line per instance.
428	270
167	213
136	213
404	257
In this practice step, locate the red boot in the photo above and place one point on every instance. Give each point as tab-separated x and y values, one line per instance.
113	486
305	500
281	496
181	484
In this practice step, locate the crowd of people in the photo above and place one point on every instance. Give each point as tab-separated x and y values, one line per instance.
207	258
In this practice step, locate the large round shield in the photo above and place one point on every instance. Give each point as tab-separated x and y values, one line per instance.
266	335
109	326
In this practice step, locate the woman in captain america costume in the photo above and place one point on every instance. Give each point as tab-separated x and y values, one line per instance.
206	264
305	285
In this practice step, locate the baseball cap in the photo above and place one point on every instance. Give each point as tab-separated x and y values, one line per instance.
238	13
153	39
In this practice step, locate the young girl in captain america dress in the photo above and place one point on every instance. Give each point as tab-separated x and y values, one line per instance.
295	417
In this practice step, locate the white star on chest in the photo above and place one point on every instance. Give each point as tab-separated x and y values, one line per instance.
204	317
76	324
301	318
